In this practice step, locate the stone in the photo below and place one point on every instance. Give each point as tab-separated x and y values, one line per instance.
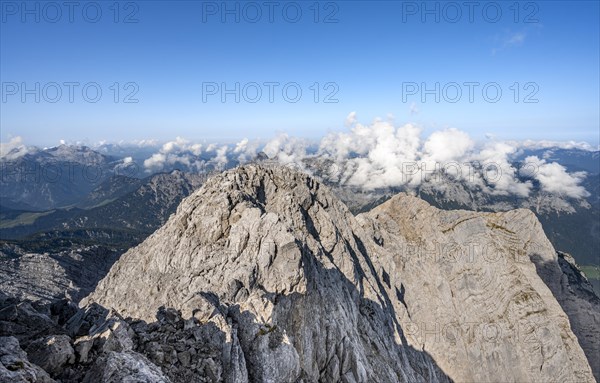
184	358
403	292
52	353
15	367
126	366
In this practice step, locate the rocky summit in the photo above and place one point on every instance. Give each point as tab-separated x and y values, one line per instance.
264	275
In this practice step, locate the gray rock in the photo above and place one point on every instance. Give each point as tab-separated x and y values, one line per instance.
15	367
333	297
184	358
291	245
26	322
471	295
52	275
51	353
129	366
577	298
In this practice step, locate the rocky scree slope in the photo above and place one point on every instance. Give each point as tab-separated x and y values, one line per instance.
269	262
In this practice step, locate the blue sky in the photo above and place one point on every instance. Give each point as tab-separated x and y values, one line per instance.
368	58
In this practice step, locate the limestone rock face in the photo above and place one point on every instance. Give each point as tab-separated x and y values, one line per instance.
270	264
472	295
277	264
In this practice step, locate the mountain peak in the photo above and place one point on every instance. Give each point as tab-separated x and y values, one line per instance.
273	259
246	218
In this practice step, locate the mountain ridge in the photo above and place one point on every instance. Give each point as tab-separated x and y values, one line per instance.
261	240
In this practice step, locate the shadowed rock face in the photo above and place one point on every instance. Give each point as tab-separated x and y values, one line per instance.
14	366
577	298
304	291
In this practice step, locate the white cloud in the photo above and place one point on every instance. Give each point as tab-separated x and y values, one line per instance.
287	150
246	150
13	149
156	162
555	179
181	144
545	144
350	119
177	153
220	158
142	143
372	156
447	145
381	155
498	176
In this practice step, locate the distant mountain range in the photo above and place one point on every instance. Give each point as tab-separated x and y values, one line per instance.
77	193
54	177
121	209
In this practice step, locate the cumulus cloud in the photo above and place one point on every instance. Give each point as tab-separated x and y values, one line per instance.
127	167
246	150
184	154
498	175
372	156
385	155
14	148
287	150
177	153
350	119
141	143
156	162
380	155
220	158
447	145
555	179
180	145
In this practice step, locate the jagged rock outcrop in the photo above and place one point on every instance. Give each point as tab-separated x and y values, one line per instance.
267	263
52	352
577	298
277	257
57	341
124	367
14	365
